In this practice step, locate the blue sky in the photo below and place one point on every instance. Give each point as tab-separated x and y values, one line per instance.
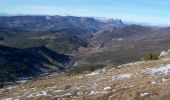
153	12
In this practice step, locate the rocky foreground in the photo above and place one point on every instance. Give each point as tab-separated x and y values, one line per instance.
134	81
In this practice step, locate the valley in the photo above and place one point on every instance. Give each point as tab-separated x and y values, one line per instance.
81	58
89	41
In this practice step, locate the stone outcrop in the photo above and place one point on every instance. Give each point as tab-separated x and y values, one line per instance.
165	55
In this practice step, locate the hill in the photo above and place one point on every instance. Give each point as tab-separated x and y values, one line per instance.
21	63
134	81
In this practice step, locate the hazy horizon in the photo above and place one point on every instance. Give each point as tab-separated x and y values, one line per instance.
152	12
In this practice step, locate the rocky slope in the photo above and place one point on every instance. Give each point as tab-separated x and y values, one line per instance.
134	81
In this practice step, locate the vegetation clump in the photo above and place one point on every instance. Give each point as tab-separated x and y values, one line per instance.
85	68
151	56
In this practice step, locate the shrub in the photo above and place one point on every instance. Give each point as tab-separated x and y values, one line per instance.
67	87
74	92
85	68
151	56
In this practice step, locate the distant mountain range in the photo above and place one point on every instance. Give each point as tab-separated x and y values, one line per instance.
89	41
54	23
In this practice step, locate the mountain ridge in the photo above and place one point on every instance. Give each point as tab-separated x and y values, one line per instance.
17	63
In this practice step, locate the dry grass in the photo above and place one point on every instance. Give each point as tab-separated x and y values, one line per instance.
140	86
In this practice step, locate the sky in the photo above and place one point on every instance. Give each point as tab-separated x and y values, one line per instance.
152	12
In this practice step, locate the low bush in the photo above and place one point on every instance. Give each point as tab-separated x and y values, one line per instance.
151	56
85	68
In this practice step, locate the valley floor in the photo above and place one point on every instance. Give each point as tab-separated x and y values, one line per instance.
148	80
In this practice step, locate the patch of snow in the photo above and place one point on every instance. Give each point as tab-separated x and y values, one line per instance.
160	70
92	93
67	94
30	96
104	70
153	82
78	88
97	92
10	99
128	64
22	81
107	88
76	64
121	76
79	93
51	88
165	59
128	86
80	77
164	80
44	74
131	86
144	94
43	93
92	74
32	88
56	91
114	90
119	39
11	87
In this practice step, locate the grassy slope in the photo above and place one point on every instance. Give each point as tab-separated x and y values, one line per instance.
99	85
